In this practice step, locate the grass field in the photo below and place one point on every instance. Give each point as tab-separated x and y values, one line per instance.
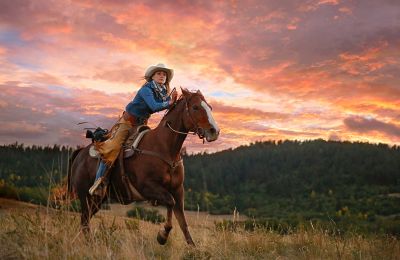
34	232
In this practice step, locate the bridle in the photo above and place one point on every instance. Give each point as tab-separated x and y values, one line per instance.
196	129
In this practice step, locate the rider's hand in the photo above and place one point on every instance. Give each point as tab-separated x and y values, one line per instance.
174	96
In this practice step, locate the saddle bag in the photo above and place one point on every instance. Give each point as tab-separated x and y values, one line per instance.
98	135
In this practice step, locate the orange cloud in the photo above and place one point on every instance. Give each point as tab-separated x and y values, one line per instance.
273	70
245	113
120	72
315	4
3	51
366	62
345	10
45	78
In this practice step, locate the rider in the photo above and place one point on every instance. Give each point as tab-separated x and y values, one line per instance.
151	97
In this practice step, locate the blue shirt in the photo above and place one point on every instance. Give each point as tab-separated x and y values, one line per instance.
149	99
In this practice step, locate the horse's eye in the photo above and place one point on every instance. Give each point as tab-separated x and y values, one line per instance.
195	107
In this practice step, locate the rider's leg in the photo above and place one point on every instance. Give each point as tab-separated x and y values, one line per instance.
101	170
109	151
99	177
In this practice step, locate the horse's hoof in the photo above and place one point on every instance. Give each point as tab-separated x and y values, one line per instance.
162	237
85	230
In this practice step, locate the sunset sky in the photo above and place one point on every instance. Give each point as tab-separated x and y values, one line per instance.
272	70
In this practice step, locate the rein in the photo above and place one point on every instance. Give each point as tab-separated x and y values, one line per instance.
179	132
199	131
174	164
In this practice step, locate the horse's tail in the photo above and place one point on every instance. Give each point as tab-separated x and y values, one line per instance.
69	174
63	194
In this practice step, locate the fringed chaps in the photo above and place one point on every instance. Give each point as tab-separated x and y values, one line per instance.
110	149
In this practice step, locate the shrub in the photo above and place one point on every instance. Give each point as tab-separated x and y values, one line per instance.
151	215
34	195
8	191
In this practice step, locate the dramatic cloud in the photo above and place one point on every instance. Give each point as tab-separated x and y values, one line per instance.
366	125
271	69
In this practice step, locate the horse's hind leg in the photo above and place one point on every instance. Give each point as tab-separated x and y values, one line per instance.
89	206
164	233
180	215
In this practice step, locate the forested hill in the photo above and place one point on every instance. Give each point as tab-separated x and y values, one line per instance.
33	166
281	180
290	177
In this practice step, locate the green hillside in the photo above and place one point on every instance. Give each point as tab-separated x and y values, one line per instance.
350	184
353	185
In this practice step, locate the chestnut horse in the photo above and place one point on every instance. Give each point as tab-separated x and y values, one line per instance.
156	171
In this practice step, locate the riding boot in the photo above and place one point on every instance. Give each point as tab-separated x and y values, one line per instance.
99	187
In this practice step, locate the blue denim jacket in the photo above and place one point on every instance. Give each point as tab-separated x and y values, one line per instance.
147	101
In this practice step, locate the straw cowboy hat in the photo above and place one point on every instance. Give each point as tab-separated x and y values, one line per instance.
153	68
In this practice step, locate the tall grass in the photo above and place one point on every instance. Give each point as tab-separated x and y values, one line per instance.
55	234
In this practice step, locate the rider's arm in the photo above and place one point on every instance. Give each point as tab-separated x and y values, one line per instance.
147	94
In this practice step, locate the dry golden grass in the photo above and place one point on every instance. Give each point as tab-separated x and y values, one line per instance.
30	232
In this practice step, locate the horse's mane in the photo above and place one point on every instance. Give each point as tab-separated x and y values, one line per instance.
179	101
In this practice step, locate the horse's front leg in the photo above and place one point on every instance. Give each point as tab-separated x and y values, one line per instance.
163	234
161	196
180	215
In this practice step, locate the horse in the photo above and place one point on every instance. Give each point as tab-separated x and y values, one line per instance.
156	171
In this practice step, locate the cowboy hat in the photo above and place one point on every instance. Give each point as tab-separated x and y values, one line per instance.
159	67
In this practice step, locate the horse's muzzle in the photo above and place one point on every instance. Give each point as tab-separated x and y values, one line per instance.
211	134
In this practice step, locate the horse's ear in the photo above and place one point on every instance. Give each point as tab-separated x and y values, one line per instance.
185	92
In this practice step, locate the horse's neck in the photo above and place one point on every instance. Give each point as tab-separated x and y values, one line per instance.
173	141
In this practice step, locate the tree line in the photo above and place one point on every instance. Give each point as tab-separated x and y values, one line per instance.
353	183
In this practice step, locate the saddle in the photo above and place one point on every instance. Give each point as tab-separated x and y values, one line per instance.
130	145
128	150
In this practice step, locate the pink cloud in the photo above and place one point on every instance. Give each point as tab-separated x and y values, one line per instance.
245	113
49	112
45	78
121	72
53	55
23	129
345	10
363	125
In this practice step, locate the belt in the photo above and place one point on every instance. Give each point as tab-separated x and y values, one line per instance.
134	120
130	118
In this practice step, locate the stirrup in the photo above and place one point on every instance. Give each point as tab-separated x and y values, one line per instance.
96	184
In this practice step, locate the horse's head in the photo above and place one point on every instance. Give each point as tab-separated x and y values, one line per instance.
198	117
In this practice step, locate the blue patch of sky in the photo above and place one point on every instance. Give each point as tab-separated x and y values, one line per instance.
62	90
25	65
221	94
11	38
